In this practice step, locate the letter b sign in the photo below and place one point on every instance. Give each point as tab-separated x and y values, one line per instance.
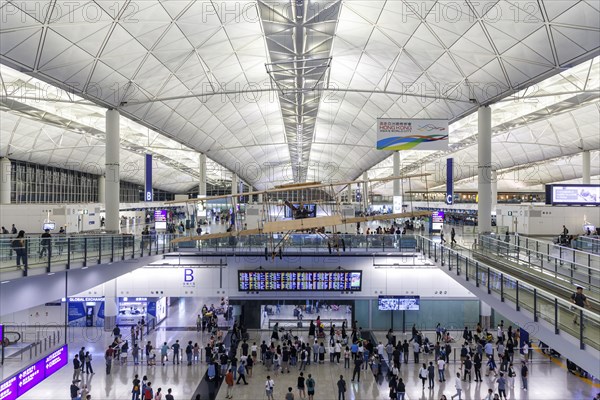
188	275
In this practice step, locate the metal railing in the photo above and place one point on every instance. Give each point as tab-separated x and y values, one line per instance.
556	311
37	255
566	254
587	244
310	242
519	251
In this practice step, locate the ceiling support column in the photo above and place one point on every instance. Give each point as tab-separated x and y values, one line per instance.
112	179
5	183
587	166
484	146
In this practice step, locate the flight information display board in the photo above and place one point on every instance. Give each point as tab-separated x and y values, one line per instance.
267	281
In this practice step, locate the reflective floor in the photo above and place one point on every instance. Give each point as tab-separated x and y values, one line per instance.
548	379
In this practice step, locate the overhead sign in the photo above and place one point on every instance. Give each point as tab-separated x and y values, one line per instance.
450	181
26	379
412	134
148	180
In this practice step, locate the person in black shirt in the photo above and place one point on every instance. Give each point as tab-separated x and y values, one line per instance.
579	299
74	389
357	364
431	375
467	368
76	368
405	351
341	384
45	243
169	396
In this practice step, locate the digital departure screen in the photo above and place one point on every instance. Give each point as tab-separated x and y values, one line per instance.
395	303
267	281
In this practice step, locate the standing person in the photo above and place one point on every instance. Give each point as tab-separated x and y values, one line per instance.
431	375
45	243
148	392
189	351
400	389
457	386
310	387
176	348
467	368
501	386
477	366
423	374
18	245
88	363
579	299
441	364
229	382
416	351
289	395
169	395
300	386
158	395
135	389
163	353
108	358
524	375
346	357
269	386
356	372
341	384
405	351
76	368
74	389
511	375
135	353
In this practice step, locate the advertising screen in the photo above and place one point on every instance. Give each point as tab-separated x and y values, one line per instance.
399	303
161	309
576	194
160	219
299	280
396	134
437	220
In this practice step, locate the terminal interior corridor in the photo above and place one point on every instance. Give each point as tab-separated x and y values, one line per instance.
549	380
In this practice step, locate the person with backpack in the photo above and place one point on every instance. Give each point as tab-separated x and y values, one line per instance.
135	389
310	387
148	392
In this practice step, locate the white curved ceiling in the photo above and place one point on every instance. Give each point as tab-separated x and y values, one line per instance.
195	71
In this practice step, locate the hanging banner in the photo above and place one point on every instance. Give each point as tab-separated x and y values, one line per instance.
148	185
450	181
412	134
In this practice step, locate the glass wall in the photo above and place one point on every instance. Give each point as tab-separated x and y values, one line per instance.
34	183
451	314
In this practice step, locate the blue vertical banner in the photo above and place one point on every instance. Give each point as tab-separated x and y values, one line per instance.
450	181
148	191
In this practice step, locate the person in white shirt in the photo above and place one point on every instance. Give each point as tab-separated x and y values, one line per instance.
525	351
380	350
269	385
457	386
441	366
490	395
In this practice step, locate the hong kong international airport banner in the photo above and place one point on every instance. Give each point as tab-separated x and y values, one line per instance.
412	134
